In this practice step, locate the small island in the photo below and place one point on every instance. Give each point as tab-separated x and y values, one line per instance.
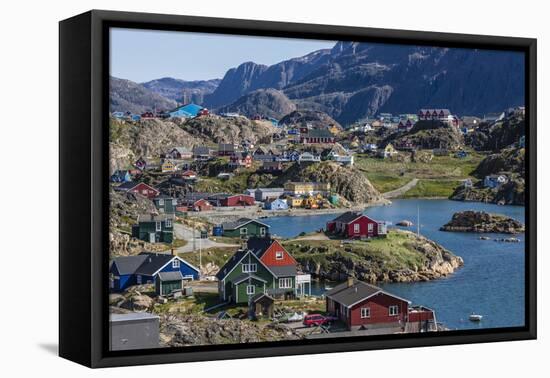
483	222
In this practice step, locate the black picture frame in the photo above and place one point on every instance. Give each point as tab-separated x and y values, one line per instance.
84	200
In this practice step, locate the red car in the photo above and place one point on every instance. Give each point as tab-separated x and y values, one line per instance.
316	320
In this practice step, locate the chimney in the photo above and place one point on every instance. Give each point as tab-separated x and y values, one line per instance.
350	281
172	251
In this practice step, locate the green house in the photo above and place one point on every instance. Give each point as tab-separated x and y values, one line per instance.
154	228
245	228
257	269
165	204
168	282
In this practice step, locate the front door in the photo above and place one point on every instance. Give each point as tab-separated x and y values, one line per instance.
152	237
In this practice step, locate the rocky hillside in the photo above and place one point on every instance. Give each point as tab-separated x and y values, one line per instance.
401	257
348	182
228	130
127	96
182	91
267	102
148	137
430	135
354	80
315	118
509	162
250	76
482	222
124	209
498	135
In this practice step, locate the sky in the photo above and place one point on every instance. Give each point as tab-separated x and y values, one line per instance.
143	55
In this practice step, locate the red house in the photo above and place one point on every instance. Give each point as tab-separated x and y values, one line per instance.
356	225
240	159
195	205
230	200
140	188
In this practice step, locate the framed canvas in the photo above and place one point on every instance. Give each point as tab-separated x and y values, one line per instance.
236	188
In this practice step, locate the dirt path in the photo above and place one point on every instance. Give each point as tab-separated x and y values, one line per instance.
402	190
186	233
317	236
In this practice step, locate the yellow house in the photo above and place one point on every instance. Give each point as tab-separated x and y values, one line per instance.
168	166
300	188
295	202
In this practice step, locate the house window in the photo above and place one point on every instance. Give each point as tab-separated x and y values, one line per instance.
168	222
144	192
365	312
356	227
161	202
279	255
158	226
393	310
285	283
244	231
262	231
371	227
250	268
138	280
250	289
175	263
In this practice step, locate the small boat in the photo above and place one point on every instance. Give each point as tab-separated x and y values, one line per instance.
327	287
475	317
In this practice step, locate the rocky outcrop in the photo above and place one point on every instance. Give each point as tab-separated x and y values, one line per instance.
149	137
403	257
265	102
179	331
314	118
482	222
430	135
497	135
229	130
348	182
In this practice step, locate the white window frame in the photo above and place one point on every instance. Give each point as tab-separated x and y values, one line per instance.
285	283
250	268
168	222
370	227
175	264
262	231
393	310
138	279
279	255
161	202
356	228
365	312
243	231
250	290
158	226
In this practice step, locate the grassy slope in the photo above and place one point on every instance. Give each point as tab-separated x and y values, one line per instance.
438	177
393	252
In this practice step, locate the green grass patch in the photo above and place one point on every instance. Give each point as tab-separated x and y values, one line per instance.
432	188
217	256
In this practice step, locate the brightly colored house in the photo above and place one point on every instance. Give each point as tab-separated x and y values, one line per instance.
186	111
168	166
154	228
140	188
144	268
276	204
245	228
356	225
264	266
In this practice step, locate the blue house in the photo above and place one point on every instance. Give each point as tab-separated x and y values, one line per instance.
276	204
144	269
121	176
186	111
461	154
494	181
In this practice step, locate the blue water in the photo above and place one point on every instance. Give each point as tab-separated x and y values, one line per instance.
491	283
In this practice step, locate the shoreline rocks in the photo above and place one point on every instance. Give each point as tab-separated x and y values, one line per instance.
483	222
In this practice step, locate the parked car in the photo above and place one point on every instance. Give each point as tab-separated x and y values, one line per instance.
317	320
